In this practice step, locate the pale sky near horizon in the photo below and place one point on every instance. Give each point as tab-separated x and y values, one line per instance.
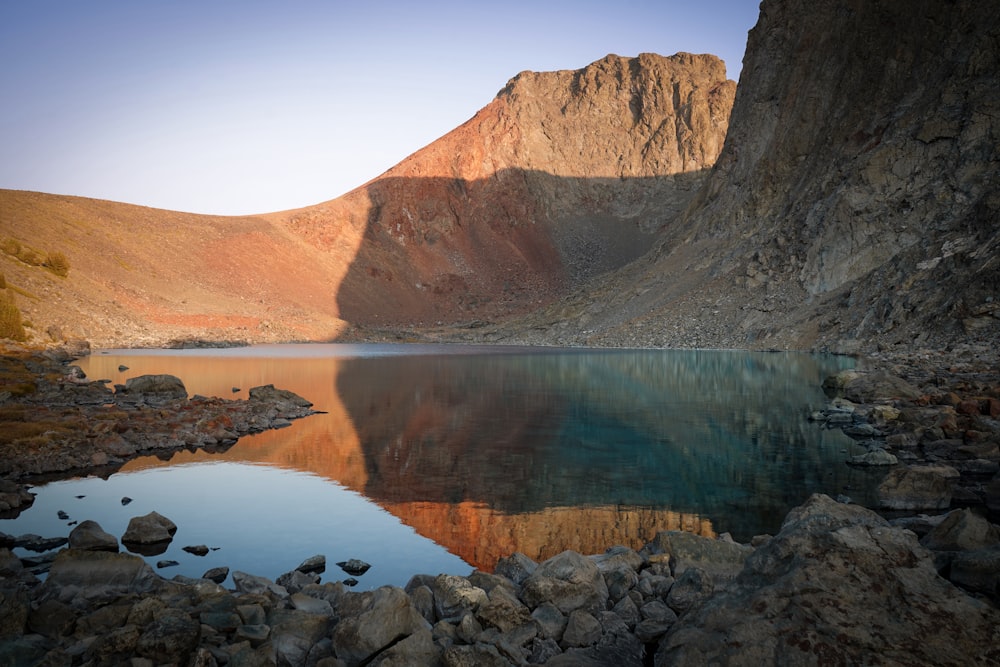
235	107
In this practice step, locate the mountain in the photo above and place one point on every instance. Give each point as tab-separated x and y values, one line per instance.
563	176
855	205
846	198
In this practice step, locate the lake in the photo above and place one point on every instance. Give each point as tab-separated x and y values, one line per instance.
443	458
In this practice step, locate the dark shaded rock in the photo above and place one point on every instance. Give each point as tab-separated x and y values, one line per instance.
15	606
371	621
89	536
582	629
477	655
97	575
978	570
517	567
962	530
161	564
314	564
417	649
216	574
254	585
503	611
170	638
52	618
39	544
690	589
294	633
353	567
839	584
295	580
197	550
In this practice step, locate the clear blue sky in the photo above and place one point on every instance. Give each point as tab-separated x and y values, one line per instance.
237	107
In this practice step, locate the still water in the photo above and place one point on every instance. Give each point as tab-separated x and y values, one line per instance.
431	459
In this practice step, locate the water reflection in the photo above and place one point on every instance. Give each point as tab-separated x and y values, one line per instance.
495	450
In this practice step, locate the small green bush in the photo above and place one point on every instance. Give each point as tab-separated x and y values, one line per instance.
57	263
11	325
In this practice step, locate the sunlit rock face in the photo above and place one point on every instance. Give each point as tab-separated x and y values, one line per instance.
563	176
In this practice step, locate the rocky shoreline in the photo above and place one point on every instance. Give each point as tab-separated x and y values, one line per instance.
837	584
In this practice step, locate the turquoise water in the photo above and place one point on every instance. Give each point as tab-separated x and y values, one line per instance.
436	459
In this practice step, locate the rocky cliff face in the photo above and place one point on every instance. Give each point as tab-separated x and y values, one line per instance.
563	176
855	202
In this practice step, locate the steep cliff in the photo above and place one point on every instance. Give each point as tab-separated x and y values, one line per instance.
563	176
855	203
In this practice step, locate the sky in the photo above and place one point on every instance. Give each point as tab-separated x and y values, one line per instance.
239	107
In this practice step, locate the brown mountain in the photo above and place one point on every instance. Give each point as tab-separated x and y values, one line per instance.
564	176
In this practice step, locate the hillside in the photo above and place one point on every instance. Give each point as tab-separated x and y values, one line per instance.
564	176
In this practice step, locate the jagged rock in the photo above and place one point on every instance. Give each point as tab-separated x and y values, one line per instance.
917	487
89	536
691	588
517	567
568	580
417	649
373	620
150	528
503	611
295	580
454	596
551	622
838	582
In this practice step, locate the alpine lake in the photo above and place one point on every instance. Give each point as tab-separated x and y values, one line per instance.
429	459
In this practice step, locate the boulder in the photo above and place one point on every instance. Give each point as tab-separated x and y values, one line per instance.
254	585
152	389
372	621
94	576
89	536
978	570
151	528
962	530
720	559
455	596
503	611
517	567
312	564
568	580
917	488
13	499
268	394
875	456
837	585
294	633
170	639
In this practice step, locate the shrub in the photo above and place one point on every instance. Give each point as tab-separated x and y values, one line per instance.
10	320
11	247
57	263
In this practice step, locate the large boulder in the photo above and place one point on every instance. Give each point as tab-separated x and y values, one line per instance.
372	621
718	558
569	581
93	576
837	585
927	487
151	528
962	530
152	389
89	536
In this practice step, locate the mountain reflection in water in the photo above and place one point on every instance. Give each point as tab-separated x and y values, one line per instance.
487	451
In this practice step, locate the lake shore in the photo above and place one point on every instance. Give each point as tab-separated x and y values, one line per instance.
927	410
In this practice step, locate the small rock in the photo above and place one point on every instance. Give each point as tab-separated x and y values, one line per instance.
197	550
166	563
216	574
126	500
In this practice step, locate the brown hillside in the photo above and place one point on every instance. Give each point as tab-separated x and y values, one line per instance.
565	175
